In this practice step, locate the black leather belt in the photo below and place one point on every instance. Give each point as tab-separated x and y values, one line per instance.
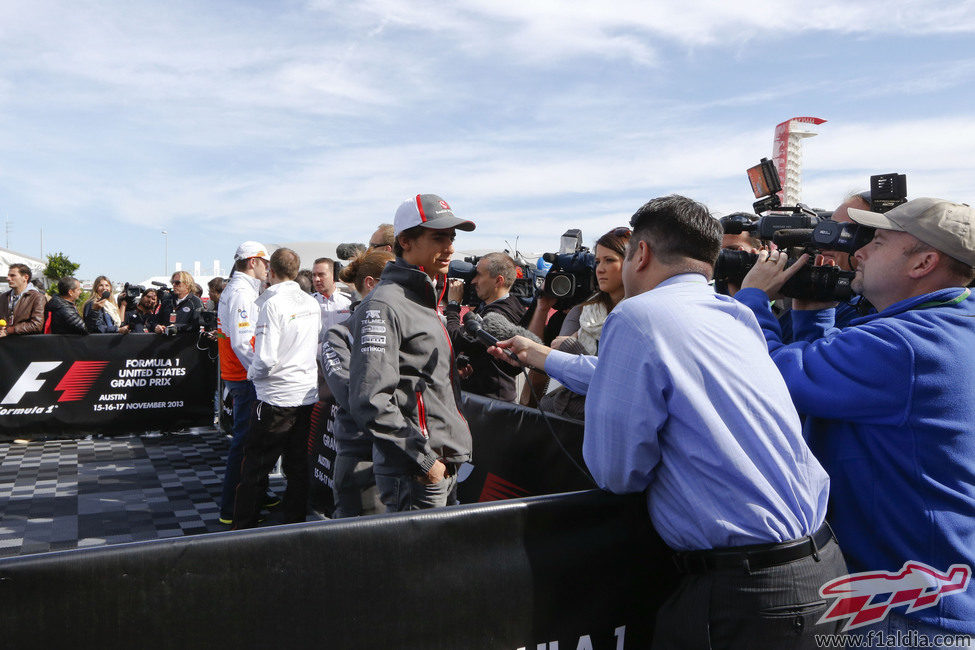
757	556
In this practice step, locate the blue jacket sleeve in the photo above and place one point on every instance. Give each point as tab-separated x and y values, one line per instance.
858	374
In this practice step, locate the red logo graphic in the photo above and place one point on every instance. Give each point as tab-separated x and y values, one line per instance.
496	489
79	379
443	204
916	585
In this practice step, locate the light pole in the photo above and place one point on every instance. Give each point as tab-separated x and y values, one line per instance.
166	237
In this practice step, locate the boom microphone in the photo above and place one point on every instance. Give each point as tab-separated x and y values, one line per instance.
474	326
349	251
789	237
502	328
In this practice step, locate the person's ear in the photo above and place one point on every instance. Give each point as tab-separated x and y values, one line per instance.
923	263
644	255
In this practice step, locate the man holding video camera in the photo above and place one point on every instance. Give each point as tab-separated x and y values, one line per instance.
886	400
493	277
684	405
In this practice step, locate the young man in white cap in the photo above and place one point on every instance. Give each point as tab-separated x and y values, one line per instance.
887	409
404	387
285	376
236	321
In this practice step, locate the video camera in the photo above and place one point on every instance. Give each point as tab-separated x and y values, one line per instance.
572	277
164	294
465	270
131	294
523	287
798	229
208	319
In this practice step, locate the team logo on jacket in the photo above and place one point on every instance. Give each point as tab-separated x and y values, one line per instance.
372	314
865	598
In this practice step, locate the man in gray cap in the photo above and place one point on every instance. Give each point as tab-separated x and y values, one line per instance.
887	411
403	383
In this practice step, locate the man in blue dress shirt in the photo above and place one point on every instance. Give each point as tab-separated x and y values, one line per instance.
685	405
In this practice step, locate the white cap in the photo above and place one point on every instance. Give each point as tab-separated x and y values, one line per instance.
251	249
429	211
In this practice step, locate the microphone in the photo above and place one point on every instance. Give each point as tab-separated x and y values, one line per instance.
473	324
502	328
789	237
349	251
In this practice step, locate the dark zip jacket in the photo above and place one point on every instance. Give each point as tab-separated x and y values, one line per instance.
403	384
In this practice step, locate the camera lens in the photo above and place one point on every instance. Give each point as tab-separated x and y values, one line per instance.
561	285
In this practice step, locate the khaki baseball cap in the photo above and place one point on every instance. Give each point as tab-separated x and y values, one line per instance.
948	227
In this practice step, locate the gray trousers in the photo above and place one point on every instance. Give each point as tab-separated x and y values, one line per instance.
775	608
402	492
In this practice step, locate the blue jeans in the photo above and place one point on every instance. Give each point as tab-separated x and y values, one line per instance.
244	398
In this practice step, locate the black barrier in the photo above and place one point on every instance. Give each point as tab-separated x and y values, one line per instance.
583	570
105	383
516	453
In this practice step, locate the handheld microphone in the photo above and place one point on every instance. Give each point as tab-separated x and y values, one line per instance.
474	325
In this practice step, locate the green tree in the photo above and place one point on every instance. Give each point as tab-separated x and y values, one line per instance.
58	266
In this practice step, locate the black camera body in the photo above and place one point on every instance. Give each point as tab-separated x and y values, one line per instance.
131	294
208	319
799	230
465	270
810	283
523	287
572	277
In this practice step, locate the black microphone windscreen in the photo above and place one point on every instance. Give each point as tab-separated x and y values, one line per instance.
789	237
503	329
349	251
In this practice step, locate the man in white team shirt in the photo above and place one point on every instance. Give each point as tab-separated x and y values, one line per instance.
285	375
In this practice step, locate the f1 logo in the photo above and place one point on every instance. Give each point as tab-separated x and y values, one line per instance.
28	381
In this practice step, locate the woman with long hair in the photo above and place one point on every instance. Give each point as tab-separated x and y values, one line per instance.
353	480
584	323
101	313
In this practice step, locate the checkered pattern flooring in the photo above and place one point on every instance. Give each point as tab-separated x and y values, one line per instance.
63	494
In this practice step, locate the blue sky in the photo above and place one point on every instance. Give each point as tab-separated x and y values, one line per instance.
221	121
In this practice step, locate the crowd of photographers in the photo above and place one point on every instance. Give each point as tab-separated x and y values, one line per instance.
863	312
26	309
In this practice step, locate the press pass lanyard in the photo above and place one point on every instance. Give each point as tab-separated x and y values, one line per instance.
945	303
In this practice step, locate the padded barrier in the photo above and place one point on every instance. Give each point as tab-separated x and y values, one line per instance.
583	570
516	453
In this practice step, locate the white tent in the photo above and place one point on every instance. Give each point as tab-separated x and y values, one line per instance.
8	257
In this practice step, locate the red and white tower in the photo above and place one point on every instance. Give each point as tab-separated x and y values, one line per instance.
787	155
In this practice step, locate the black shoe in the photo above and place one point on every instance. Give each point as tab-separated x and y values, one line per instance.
271	500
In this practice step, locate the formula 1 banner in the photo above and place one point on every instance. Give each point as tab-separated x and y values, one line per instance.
321	456
104	383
